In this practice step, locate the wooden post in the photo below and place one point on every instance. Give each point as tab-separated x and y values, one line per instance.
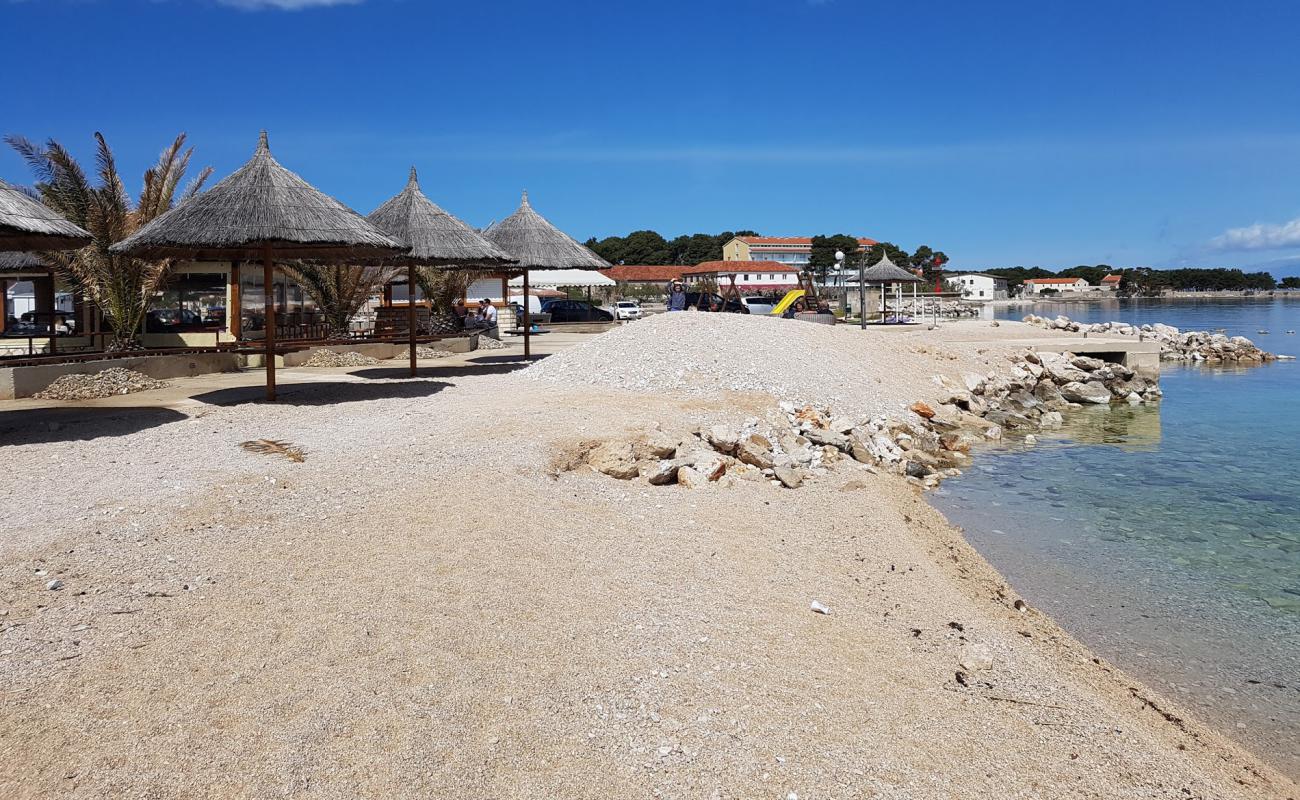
4	304
410	311
268	286
235	314
528	322
53	300
387	301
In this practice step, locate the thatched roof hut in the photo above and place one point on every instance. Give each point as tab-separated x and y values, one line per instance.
21	261
26	224
887	272
261	206
537	244
436	238
262	212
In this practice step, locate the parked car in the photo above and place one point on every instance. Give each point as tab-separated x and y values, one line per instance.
706	302
627	309
758	305
575	311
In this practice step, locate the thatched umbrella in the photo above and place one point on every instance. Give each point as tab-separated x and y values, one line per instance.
537	244
26	224
884	272
436	239
262	210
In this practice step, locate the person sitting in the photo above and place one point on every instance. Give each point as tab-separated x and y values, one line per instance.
797	308
485	321
824	307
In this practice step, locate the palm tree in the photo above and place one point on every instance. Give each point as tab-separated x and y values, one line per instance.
121	286
444	287
339	292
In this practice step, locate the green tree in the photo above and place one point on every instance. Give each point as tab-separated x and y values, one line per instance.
124	288
340	292
1290	282
822	258
929	262
896	254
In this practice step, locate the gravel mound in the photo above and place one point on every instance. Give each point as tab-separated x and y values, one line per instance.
429	352
329	358
114	380
705	354
488	343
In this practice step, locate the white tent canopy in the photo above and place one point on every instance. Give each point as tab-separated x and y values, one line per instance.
556	278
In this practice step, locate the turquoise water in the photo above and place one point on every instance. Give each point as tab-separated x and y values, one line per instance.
1168	537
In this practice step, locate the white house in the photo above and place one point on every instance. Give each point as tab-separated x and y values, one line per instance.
980	286
1038	285
751	276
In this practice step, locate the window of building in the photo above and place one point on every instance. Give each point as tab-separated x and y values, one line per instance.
193	301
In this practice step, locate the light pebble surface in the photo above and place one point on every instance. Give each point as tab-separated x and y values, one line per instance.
423	607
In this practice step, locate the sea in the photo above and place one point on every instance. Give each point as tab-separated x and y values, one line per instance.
1167	536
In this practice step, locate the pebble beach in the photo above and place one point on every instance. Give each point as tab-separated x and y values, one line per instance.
433	602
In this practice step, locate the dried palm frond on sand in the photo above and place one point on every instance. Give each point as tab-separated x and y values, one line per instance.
275	447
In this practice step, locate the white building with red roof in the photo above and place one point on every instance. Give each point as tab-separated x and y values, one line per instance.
1038	285
751	276
793	251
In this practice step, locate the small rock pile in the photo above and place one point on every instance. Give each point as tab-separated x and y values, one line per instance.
926	444
109	382
1175	345
429	352
329	358
488	343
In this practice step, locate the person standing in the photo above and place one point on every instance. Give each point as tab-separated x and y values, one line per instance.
677	296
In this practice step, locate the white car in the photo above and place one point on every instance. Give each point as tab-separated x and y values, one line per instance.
758	305
626	309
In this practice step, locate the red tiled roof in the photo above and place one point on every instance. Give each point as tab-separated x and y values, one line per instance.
797	241
1112	279
1054	280
633	273
737	266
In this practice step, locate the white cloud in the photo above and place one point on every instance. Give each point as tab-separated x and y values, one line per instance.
286	5
1260	236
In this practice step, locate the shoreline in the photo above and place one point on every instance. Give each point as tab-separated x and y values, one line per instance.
622	639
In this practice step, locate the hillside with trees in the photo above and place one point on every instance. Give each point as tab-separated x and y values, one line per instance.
651	248
1147	281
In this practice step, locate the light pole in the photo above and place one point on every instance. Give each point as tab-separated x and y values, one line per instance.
839	267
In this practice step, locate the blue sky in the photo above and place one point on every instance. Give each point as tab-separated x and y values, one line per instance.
1048	132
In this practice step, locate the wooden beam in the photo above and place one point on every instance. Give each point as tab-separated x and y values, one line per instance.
235	314
4	304
410	312
528	322
268	296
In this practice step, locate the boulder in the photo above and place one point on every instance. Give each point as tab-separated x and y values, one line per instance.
711	465
1089	392
959	441
615	459
656	444
789	478
662	473
723	438
1010	419
691	478
946	417
974	382
1087	363
745	472
756	451
827	438
915	469
922	409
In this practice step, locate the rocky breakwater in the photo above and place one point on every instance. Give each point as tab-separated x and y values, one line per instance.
1175	345
926	443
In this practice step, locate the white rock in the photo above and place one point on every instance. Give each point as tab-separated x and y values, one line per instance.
819	607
